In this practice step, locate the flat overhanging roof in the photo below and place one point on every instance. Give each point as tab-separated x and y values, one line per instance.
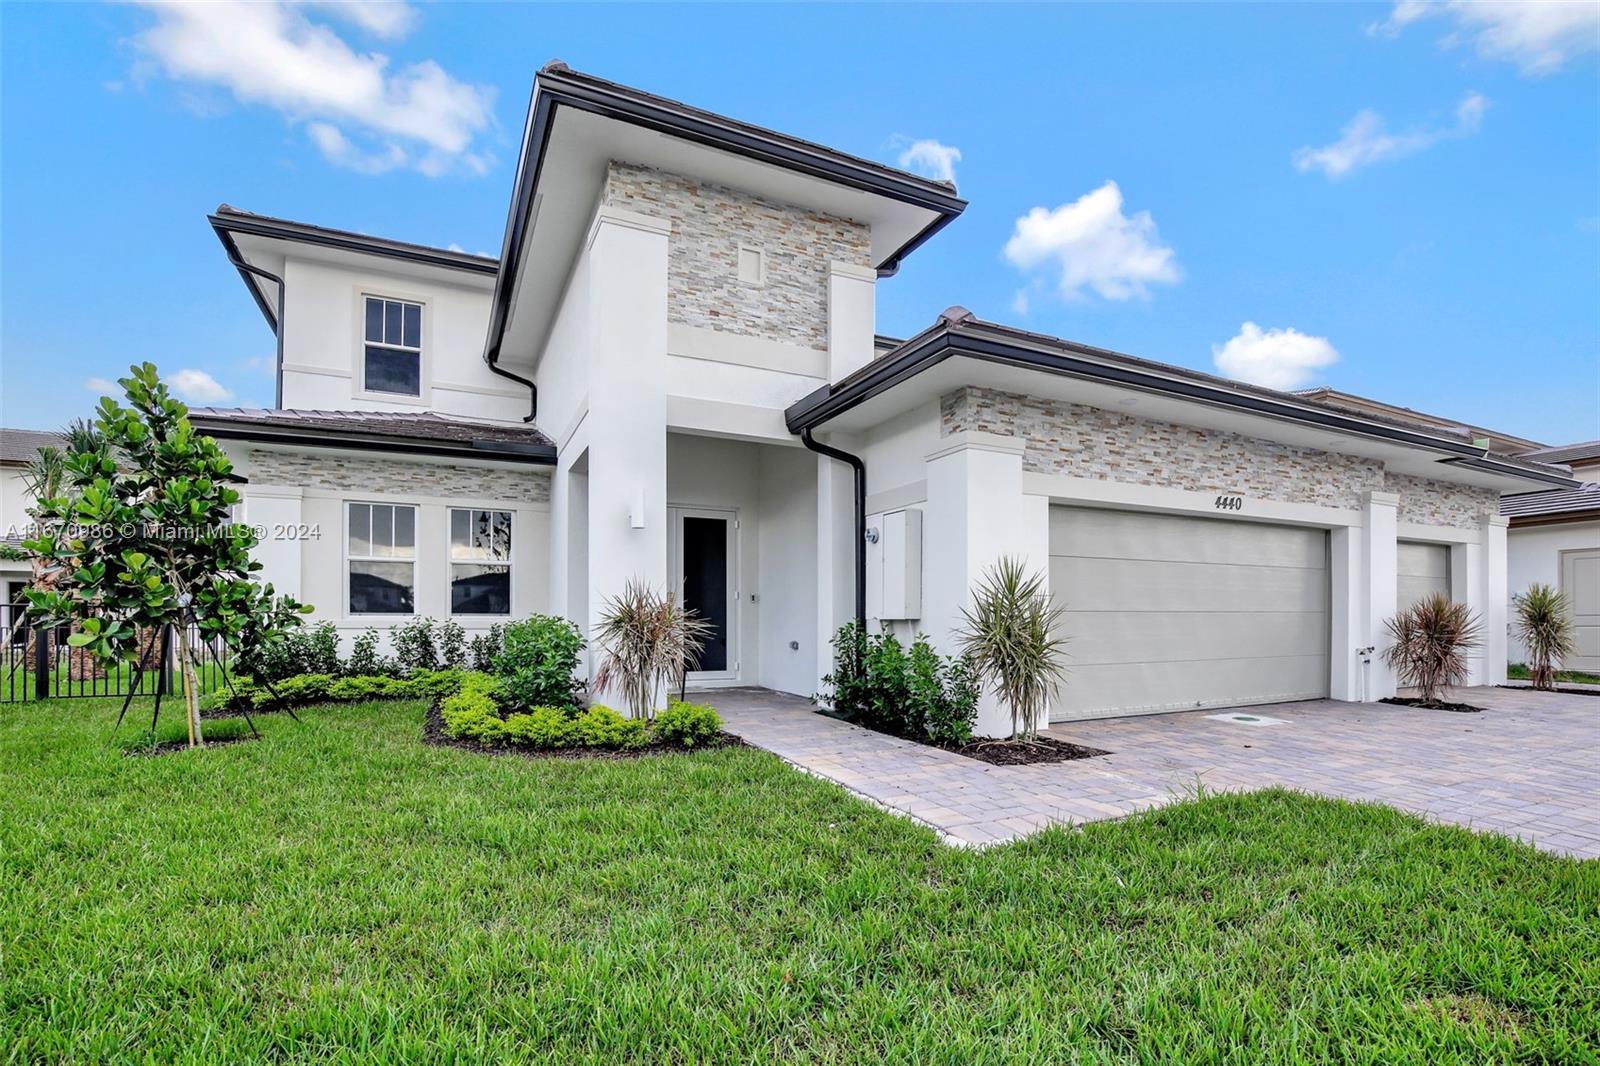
578	123
960	351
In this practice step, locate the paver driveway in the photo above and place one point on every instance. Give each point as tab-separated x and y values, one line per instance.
1528	766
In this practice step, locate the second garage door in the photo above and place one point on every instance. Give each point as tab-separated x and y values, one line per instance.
1167	612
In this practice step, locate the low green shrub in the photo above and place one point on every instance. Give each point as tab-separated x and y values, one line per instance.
918	694
538	661
602	727
687	724
303	688
472	713
542	727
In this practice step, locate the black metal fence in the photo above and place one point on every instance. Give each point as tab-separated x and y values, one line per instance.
37	663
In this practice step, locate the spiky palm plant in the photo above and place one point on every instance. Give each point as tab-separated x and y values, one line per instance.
1008	635
1544	625
649	641
1429	644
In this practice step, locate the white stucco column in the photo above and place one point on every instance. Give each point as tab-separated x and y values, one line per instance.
276	512
626	514
976	513
1496	599
851	318
1380	584
1347	613
836	560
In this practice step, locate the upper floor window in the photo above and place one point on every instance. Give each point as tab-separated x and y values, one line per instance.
392	356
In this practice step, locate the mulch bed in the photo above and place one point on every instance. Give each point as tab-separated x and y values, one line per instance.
1439	705
1026	752
433	733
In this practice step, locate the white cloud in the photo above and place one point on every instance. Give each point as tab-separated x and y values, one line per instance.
390	19
1094	245
1366	139
273	54
337	149
931	159
1275	358
103	386
1539	37
196	386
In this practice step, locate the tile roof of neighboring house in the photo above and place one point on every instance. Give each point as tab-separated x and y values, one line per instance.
419	433
1578	502
19	446
1565	453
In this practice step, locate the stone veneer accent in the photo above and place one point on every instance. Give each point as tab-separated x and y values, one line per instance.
709	222
364	473
1091	442
1440	503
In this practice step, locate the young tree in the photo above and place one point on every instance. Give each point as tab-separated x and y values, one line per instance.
648	641
141	535
1429	643
1008	635
1544	625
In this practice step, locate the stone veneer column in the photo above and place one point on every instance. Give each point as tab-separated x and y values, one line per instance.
627	418
976	513
1380	584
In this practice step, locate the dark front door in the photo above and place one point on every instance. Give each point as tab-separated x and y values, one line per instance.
706	559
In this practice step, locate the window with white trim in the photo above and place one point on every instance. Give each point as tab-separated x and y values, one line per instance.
392	353
381	554
480	561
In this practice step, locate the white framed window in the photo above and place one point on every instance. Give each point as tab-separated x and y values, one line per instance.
480	561
752	265
391	350
381	558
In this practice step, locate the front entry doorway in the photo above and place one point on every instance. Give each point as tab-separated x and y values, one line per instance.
703	545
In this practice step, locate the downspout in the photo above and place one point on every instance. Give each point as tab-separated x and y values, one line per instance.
533	390
277	325
860	470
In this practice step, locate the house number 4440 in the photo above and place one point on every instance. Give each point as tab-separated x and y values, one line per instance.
1229	503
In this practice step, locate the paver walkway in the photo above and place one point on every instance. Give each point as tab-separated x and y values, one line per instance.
1529	766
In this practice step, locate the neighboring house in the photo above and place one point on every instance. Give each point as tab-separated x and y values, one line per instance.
1554	539
18	448
671	374
1497	442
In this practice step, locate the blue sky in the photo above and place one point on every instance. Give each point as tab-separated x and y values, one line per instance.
1401	201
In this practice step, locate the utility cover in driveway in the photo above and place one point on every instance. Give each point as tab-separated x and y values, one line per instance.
1169	612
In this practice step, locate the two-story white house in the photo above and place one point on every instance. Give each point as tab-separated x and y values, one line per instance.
671	373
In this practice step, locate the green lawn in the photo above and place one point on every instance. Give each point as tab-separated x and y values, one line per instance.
1519	672
339	888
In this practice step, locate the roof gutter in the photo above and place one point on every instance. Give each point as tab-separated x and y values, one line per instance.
860	470
1493	465
503	451
557	85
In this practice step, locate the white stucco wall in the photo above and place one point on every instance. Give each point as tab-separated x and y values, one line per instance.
305	518
1533	557
323	338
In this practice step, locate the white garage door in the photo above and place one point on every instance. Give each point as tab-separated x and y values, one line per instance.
1168	613
1421	570
1580	580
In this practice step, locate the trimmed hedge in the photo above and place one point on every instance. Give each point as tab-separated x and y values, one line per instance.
479	706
